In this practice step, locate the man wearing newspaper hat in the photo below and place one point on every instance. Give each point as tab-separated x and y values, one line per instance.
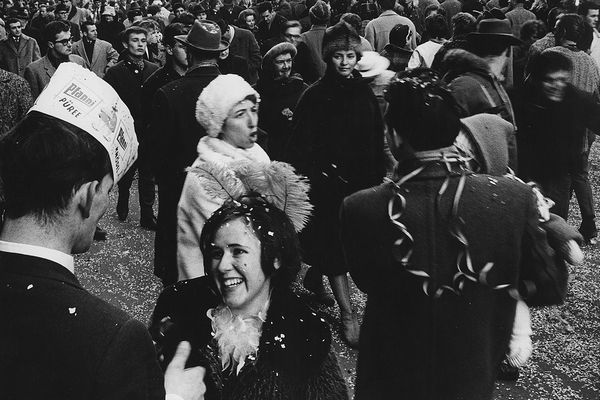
58	341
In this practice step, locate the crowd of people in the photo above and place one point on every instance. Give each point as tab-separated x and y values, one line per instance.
377	139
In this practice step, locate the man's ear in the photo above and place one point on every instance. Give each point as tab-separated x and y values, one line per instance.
169	50
85	197
276	264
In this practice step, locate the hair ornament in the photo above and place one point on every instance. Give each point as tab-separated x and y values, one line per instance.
276	183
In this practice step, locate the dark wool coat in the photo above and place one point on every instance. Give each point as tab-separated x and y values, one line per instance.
428	348
59	342
175	131
337	142
550	139
294	359
244	44
474	87
127	80
275	97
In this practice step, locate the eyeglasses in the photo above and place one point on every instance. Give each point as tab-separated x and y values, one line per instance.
64	42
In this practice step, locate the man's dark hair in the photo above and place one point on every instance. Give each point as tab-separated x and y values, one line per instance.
548	62
532	30
463	24
13	20
436	26
265	6
197	9
132	30
85	24
422	110
153	9
569	27
586	6
176	6
553	17
186	18
353	20
386	4
60	7
290	24
398	35
54	28
172	30
43	161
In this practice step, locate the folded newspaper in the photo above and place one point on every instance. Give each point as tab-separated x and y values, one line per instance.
78	96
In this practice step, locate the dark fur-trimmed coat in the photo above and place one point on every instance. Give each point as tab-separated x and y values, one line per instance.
294	358
337	142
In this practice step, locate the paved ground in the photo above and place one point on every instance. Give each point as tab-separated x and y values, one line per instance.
566	360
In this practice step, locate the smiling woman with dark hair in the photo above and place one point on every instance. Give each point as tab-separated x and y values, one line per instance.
256	338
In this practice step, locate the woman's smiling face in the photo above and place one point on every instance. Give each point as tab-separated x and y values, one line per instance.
236	268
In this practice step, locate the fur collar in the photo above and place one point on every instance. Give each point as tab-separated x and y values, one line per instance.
220	152
458	62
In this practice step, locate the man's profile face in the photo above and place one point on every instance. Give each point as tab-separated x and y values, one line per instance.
136	44
15	29
90	32
292	35
62	15
62	45
267	16
592	18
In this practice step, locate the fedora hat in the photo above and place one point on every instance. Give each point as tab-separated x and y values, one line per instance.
205	36
494	28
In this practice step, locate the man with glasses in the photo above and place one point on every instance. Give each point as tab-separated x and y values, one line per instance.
61	12
58	37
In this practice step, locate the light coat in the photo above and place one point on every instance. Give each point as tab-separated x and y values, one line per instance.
103	57
196	205
14	59
39	72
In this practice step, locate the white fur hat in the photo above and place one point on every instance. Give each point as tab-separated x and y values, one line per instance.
218	98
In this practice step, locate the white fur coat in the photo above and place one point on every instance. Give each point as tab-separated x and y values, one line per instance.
196	205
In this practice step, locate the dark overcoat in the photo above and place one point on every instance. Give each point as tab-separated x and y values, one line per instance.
448	344
337	142
176	133
59	342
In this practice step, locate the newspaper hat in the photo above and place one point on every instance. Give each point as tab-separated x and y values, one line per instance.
79	97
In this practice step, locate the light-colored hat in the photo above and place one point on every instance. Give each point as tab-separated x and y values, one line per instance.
372	64
108	10
218	98
276	51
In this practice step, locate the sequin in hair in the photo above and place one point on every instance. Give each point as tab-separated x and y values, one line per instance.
278	238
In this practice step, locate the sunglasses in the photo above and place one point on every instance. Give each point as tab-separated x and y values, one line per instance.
64	42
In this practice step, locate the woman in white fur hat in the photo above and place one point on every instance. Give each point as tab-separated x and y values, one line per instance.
228	109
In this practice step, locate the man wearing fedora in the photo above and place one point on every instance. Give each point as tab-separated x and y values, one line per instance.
175	131
475	78
127	77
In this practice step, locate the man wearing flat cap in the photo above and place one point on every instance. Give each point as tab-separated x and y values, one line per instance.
475	78
279	90
175	131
